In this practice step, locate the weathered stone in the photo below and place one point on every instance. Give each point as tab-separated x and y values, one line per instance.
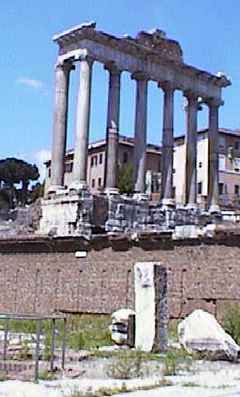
200	332
151	306
119	327
67	215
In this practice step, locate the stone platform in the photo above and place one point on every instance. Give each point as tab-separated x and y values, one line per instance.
71	213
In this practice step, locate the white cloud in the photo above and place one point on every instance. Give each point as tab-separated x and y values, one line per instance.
32	83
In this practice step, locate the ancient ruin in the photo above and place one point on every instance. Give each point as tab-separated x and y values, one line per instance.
147	57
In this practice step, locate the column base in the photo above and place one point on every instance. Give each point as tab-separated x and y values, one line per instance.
168	202
214	209
57	189
191	206
78	186
141	196
111	191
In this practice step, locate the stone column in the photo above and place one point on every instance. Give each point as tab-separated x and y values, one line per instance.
167	145
82	125
140	132
112	132
191	151
213	172
62	73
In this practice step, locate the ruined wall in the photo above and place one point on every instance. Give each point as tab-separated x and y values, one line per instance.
43	275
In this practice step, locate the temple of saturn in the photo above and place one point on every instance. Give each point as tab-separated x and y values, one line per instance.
148	57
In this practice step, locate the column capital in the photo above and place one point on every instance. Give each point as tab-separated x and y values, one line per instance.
190	95
139	76
86	57
166	86
112	68
214	102
64	66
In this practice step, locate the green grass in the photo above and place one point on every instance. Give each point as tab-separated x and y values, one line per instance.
231	322
84	331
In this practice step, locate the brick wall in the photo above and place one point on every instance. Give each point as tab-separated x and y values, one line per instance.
42	275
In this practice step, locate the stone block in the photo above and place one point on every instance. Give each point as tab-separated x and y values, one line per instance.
151	306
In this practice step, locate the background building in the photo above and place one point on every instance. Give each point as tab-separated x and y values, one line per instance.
96	164
229	168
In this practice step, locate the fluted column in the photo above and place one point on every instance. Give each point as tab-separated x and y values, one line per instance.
112	131
140	135
167	144
191	150
213	172
62	73
82	125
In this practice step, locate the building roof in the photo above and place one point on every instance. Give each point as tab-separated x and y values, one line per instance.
225	131
125	140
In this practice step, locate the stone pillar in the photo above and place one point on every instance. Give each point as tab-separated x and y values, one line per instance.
151	306
191	151
62	73
140	132
82	125
167	145
112	132
213	171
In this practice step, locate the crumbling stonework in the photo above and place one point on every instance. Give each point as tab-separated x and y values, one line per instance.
45	274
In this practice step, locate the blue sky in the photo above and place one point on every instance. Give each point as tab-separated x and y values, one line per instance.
208	31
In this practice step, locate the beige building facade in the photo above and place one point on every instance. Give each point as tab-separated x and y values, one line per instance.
96	178
228	165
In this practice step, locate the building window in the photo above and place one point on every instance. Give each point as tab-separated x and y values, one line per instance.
49	172
236	145
100	158
95	158
99	182
220	186
236	164
92	161
200	164
125	157
236	190
199	187
93	183
68	167
222	142
222	162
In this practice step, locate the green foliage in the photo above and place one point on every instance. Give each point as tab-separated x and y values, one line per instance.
37	191
14	171
88	331
125	179
175	360
25	352
129	364
231	322
172	330
5	199
47	375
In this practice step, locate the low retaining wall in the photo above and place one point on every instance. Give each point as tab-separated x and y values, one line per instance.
43	275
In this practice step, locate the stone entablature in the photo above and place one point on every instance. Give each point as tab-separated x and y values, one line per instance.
162	61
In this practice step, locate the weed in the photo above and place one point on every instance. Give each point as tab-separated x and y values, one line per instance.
231	322
47	375
175	360
127	365
3	376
